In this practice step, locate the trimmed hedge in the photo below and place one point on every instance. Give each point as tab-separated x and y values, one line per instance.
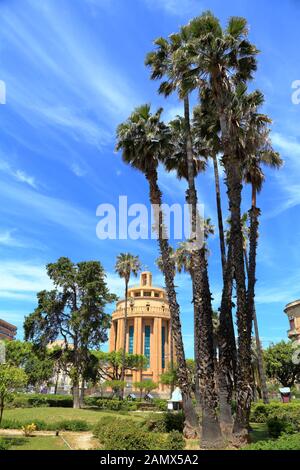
64	425
261	412
33	400
165	422
285	442
122	434
4	444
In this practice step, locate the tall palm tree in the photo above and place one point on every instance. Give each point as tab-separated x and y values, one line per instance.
145	140
126	265
203	313
208	142
171	60
259	152
222	60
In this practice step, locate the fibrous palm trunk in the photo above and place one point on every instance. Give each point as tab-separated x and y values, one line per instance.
251	269
227	350
191	427
125	335
203	321
226	337
244	316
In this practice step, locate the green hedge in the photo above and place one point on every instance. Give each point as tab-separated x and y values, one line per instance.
4	444
64	425
33	400
285	442
165	422
261	412
122	434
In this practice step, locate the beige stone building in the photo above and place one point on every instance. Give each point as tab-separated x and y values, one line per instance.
148	330
293	312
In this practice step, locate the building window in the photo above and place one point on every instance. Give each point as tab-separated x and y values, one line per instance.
131	336
147	294
292	323
147	344
156	294
163	340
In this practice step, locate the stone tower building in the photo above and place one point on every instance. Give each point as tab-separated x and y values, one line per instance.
148	330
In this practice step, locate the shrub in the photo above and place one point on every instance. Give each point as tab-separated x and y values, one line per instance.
165	422
278	426
285	442
29	429
175	441
4	444
74	425
33	400
122	434
260	412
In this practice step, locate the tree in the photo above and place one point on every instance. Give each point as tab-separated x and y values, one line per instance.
258	152
145	140
171	60
116	385
75	311
145	386
110	365
126	265
224	62
11	379
38	368
281	364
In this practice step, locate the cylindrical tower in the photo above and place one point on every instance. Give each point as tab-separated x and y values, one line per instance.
148	330
293	312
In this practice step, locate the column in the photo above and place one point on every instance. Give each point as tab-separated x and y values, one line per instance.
159	350
138	345
112	336
120	338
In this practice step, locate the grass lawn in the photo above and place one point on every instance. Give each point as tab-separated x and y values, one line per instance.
37	443
52	415
259	432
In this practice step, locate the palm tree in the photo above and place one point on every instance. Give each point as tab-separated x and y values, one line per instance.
197	263
208	143
258	152
126	265
145	140
171	59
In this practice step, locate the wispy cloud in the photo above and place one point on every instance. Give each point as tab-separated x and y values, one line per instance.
18	174
7	238
21	280
175	7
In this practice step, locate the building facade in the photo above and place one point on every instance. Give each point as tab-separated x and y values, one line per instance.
7	330
293	312
148	331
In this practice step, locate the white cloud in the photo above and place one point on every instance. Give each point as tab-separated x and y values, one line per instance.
17	174
7	239
78	170
22	280
176	7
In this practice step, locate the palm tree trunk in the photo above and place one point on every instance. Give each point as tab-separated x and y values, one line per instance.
211	431
172	356
244	316
254	213
227	345
125	335
191	425
219	212
227	350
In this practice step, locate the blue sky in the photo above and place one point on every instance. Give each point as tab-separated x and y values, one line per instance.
75	69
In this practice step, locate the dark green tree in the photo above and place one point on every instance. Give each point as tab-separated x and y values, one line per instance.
282	362
74	311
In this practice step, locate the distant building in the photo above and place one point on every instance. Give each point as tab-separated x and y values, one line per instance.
293	312
7	330
148	331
